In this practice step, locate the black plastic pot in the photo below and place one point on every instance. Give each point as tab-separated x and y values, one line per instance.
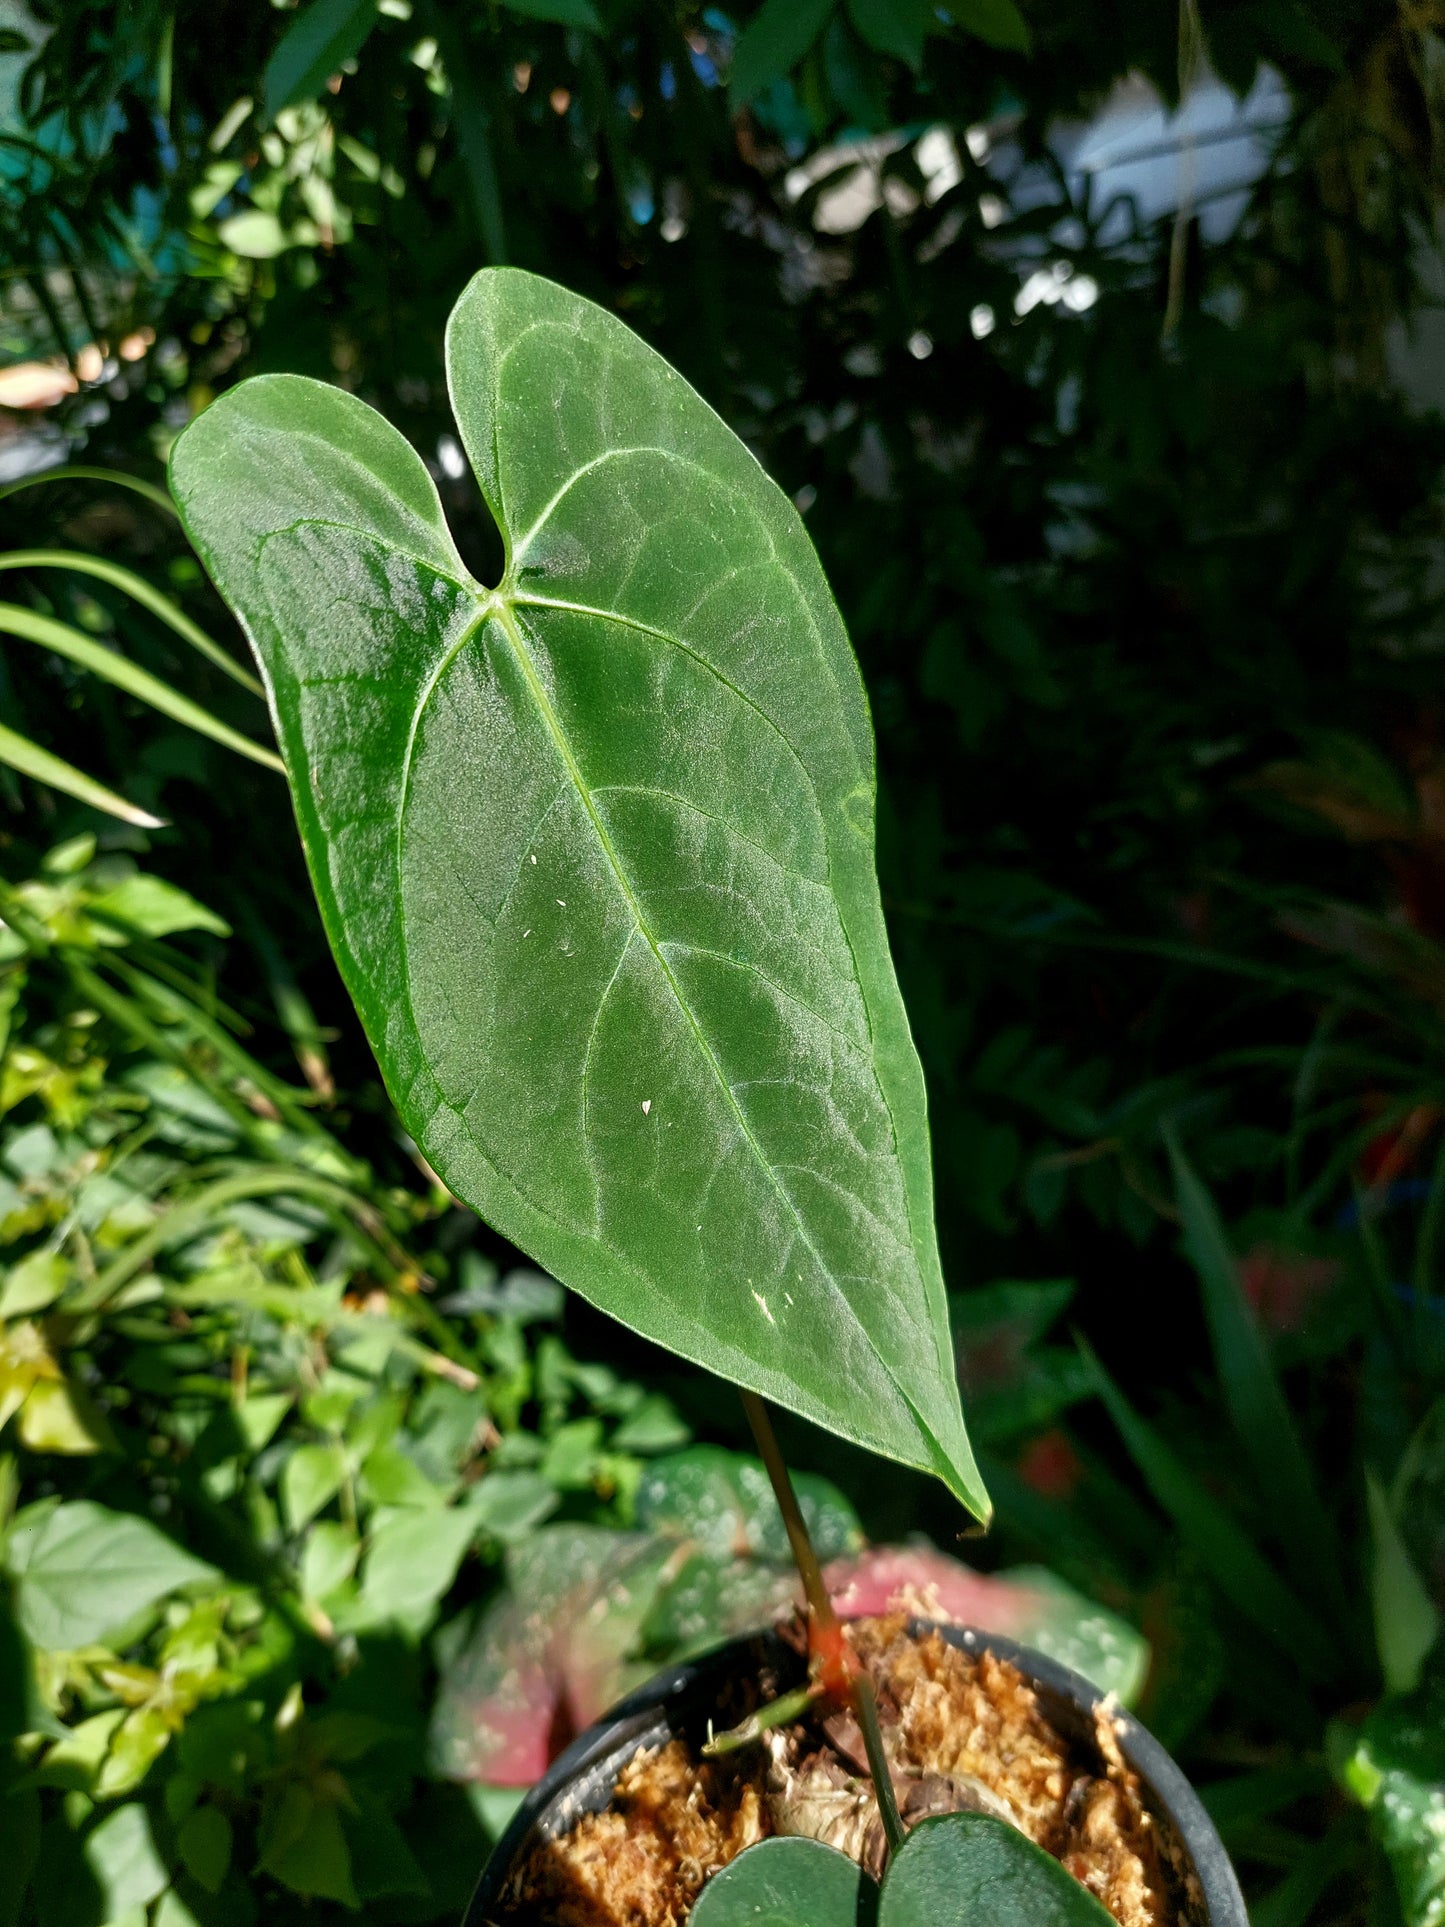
680	1701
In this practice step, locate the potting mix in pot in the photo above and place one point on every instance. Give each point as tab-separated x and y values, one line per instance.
594	849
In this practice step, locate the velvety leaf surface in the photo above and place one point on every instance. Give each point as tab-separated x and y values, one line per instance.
595	849
968	1867
786	1883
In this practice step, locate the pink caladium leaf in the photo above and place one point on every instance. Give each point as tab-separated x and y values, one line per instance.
1029	1604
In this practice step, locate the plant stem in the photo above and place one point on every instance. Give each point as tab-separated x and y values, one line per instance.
821	1614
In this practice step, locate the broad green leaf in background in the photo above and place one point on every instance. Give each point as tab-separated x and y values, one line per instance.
998	23
320	39
971	1867
775	39
725	1503
786	1883
567	13
895	27
82	1569
595	849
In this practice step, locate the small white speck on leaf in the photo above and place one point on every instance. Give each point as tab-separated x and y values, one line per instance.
763	1308
646	1105
560	904
531	859
526	933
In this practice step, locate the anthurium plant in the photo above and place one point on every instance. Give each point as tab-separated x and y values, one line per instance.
594	846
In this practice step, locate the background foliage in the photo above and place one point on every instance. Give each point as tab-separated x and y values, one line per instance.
1135	522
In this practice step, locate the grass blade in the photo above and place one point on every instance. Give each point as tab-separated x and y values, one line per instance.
1406	1622
124	674
1295	1899
19	753
141	591
78	472
1236	1566
1256	1404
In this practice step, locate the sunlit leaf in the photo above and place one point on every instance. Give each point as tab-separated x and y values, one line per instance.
82	1569
595	850
121	1854
150	907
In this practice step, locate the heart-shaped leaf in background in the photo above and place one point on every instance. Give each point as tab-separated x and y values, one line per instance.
787	1883
594	849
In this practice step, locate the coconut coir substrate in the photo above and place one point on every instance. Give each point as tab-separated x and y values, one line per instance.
960	1732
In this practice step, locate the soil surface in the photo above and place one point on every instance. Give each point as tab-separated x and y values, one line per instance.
960	1732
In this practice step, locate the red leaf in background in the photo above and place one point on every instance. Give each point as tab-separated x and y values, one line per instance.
1050	1465
1283	1286
917	1579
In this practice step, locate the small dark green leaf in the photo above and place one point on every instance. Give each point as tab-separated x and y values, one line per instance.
998	23
787	1883
12	41
895	27
204	1844
314	47
773	42
567	13
303	1846
971	1867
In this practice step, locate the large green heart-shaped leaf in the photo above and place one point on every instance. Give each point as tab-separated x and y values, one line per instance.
970	1870
595	849
787	1883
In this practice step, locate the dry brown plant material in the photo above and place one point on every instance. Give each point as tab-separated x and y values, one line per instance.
673	1823
961	1732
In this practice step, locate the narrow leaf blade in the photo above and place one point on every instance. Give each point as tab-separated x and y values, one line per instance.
1237	1567
313	47
17	752
595	850
119	670
1256	1404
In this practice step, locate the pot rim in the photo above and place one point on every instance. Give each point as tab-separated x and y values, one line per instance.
687	1685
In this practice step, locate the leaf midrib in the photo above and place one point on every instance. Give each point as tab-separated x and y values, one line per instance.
506	619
